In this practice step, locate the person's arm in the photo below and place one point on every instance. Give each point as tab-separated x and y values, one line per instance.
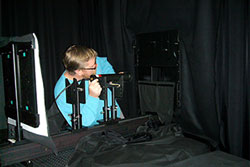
91	110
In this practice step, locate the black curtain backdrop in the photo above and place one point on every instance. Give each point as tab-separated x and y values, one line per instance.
57	24
232	76
214	38
118	43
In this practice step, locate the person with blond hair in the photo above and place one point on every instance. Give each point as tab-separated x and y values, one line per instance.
80	63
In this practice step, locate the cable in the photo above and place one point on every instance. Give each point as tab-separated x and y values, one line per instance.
62	92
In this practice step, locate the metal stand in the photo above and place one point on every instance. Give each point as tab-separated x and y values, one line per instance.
75	95
106	109
113	107
17	83
115	83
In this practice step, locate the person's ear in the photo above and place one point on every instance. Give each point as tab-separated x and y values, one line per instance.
78	72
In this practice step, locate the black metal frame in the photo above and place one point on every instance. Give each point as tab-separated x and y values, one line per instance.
75	95
106	109
20	105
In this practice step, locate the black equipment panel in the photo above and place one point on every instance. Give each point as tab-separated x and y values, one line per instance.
158	49
8	75
158	60
23	60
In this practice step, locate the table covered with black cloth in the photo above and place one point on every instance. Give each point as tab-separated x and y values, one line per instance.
165	146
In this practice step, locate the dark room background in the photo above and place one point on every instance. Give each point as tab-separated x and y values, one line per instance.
214	44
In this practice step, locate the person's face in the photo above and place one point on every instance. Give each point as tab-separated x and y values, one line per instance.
90	69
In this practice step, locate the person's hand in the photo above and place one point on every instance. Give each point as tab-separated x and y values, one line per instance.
94	88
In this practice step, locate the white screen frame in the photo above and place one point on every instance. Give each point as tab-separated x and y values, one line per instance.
42	129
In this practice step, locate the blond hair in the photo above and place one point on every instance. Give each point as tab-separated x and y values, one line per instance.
76	56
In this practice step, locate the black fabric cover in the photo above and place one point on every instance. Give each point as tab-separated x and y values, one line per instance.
213	159
56	121
112	149
157	97
168	148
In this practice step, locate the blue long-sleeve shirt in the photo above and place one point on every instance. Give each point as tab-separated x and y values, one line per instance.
92	110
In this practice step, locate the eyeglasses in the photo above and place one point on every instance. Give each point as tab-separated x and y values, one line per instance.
92	68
